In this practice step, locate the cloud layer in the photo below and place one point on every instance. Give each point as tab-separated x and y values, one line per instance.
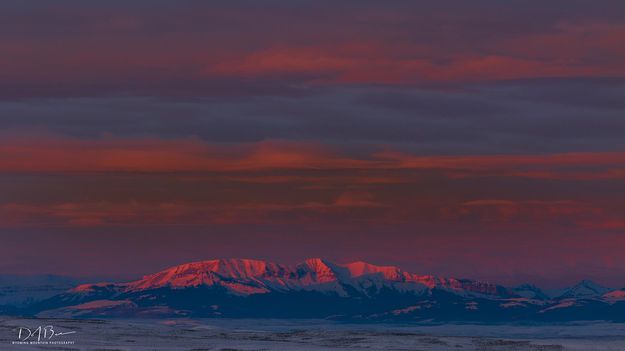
481	138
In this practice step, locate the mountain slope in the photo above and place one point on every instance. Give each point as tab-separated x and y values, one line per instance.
21	290
584	289
246	277
318	288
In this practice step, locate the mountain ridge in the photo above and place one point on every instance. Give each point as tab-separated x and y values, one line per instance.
248	276
319	288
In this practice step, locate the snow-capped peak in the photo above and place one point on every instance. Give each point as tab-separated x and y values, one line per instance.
530	291
585	289
359	268
248	276
212	272
316	271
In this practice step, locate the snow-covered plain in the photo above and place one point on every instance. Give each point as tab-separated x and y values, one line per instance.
263	334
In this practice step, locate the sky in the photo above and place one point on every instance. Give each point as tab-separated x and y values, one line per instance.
481	139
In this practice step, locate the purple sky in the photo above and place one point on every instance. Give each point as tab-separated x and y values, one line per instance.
481	139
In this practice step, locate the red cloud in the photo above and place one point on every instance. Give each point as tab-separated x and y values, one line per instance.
531	211
131	51
276	182
574	165
568	50
159	155
356	199
326	66
194	155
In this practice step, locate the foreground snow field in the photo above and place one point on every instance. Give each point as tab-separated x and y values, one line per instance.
304	335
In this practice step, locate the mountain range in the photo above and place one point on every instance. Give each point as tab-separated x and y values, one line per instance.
317	288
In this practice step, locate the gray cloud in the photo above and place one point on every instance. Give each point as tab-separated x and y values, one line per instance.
510	117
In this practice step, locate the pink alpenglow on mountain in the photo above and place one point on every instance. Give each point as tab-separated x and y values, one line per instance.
247	277
318	288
